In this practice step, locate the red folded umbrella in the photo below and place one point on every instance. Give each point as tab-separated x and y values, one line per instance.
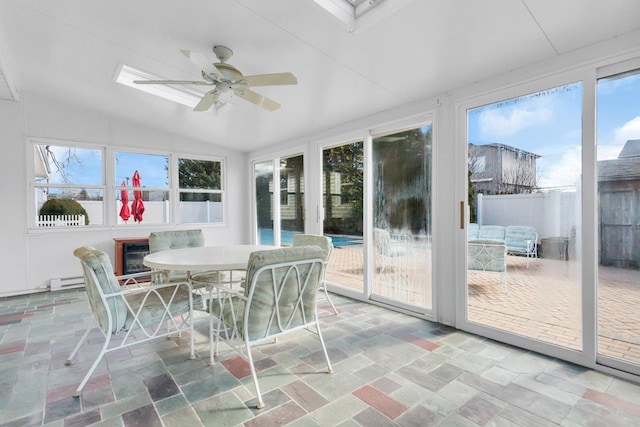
125	213
137	206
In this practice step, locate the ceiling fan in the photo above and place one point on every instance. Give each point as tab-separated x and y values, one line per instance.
224	77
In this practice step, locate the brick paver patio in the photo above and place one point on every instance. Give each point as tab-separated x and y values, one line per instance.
542	301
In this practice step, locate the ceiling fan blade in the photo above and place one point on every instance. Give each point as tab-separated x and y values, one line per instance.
271	79
256	98
171	82
202	62
207	101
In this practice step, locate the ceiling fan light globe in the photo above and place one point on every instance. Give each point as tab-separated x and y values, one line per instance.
229	72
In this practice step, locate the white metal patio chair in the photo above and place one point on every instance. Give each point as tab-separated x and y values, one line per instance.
136	314
325	243
280	298
389	251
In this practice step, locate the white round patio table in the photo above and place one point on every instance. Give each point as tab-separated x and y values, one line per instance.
221	258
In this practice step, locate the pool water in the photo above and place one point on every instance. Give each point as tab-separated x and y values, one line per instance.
265	236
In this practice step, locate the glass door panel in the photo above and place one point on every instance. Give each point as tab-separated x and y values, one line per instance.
618	142
291	198
523	241
402	216
263	178
342	201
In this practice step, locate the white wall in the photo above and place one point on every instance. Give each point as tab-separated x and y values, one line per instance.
29	259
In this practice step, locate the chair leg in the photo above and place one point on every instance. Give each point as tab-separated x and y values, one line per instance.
192	338
260	404
77	347
211	352
94	366
326	294
324	348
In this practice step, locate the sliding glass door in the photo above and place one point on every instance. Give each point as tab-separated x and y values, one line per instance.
402	217
278	219
618	166
291	203
263	187
343	207
523	249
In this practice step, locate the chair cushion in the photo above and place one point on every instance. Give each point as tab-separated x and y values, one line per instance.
175	239
313	240
520	238
472	231
99	263
491	232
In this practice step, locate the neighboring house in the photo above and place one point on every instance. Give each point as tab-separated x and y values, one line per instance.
619	195
502	169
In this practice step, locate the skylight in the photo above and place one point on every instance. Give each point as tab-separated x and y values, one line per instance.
356	14
181	94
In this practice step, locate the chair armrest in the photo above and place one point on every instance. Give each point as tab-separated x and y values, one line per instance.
131	290
131	279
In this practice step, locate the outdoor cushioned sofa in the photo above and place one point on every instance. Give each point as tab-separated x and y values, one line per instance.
518	239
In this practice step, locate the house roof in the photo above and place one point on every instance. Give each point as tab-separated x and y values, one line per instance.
508	148
619	169
631	149
68	51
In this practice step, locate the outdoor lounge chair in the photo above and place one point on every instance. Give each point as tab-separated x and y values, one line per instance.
135	314
389	250
522	240
280	298
488	255
325	243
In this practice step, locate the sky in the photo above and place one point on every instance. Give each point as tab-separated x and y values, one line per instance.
87	167
549	123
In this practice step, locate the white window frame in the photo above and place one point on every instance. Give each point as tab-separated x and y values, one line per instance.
32	210
109	186
175	194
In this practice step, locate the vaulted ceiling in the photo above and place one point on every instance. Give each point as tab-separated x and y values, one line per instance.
70	50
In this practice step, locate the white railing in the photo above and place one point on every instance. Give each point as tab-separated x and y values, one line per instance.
60	221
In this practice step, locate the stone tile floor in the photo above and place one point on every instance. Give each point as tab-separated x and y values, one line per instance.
389	370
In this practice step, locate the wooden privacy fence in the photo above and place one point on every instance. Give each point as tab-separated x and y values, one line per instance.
60	220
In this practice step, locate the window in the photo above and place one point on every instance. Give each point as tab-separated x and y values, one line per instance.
356	14
141	188
200	188
69	186
96	186
478	164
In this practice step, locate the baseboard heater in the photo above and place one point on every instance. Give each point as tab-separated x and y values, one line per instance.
60	283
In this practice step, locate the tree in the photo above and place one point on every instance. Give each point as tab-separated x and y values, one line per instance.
63	207
402	180
348	161
199	174
519	177
292	167
471	198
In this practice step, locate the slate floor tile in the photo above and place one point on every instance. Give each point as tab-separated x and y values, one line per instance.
389	369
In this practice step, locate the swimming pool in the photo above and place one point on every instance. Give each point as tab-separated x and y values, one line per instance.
265	236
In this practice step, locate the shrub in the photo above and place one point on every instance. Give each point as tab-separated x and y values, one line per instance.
64	207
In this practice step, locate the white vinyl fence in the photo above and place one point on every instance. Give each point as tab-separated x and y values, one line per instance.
552	214
60	221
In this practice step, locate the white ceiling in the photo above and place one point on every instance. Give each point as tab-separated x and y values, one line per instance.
69	49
